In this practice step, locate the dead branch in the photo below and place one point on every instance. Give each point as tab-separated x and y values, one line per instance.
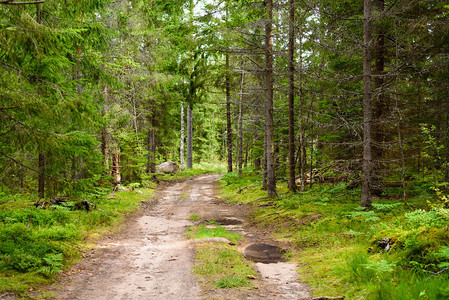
10	2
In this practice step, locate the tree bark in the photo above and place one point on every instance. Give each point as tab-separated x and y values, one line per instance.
41	175
291	97
181	146
240	142
189	137
271	180
151	139
228	115
447	132
367	110
380	105
265	172
105	134
116	168
301	126
41	156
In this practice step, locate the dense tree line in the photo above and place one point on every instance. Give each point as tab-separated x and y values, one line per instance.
339	90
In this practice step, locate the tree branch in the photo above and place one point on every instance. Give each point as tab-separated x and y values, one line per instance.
21	3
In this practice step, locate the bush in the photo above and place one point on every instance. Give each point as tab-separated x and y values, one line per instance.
437	217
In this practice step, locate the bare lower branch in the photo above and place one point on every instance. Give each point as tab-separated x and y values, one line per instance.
22	3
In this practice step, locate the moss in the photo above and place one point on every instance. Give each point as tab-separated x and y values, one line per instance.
338	243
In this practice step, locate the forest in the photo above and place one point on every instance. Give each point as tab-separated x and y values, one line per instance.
332	115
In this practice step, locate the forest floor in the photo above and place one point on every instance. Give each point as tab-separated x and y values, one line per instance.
151	258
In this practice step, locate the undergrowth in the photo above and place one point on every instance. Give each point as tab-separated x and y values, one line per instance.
37	244
391	251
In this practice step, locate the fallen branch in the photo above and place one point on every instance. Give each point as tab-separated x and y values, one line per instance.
435	273
328	298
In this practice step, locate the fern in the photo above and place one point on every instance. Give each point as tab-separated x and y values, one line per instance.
385	207
444	255
53	265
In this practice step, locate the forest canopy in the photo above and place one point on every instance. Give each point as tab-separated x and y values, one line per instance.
306	90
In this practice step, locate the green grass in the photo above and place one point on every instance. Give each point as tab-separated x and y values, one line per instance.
337	241
202	232
37	244
219	264
198	169
195	217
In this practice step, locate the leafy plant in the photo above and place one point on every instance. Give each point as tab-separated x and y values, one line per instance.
436	217
443	254
367	216
380	267
385	207
53	264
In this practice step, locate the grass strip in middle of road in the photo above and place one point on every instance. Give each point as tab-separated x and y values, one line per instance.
218	264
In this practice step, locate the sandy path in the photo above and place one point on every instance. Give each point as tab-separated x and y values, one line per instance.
150	259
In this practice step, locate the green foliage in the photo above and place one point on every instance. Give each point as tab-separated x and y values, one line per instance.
437	217
53	265
412	286
39	243
338	241
367	216
385	207
443	254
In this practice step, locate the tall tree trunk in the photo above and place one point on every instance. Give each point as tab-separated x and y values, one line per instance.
237	147
105	134
151	139
189	137
291	97
181	146
367	110
271	179
152	148
301	126
447	131
265	171
242	78
41	175
246	154
228	115
380	105
116	167
41	155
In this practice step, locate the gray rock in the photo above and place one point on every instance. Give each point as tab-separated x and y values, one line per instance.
168	167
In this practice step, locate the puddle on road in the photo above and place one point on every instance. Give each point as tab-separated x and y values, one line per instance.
228	221
264	253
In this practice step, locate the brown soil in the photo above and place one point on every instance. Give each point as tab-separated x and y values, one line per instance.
151	259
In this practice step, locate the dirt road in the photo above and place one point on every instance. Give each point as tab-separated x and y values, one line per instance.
150	258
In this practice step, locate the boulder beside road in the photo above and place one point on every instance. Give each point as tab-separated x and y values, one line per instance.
168	167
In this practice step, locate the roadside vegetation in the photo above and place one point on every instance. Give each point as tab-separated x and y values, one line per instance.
41	239
37	244
394	250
